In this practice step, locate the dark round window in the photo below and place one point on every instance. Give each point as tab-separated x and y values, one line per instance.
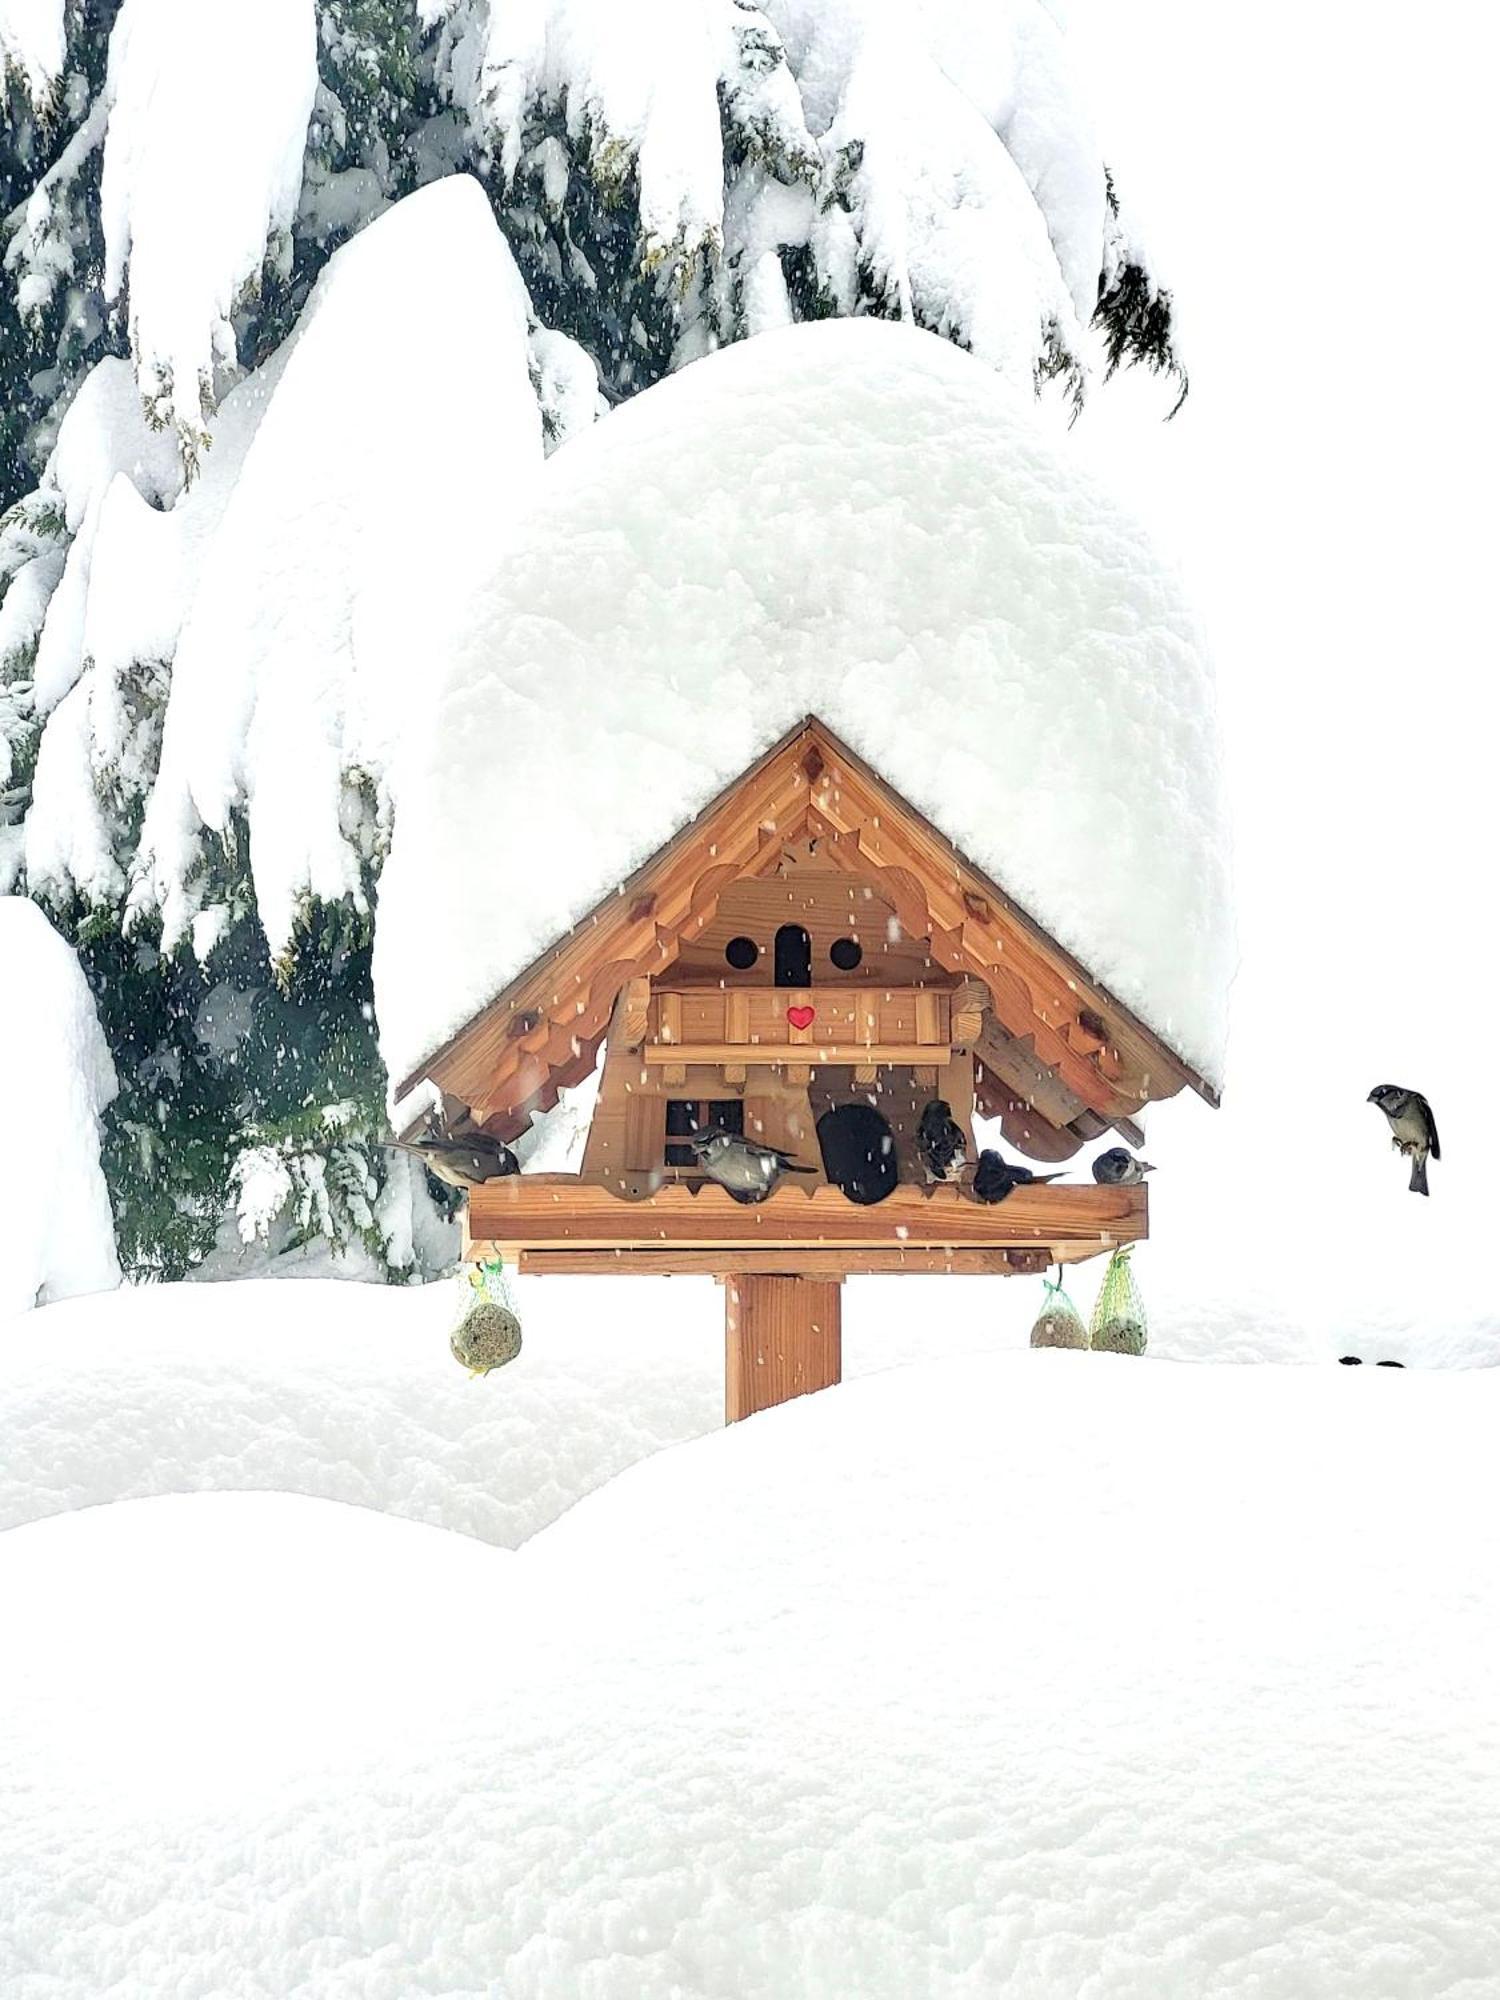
742	953
846	953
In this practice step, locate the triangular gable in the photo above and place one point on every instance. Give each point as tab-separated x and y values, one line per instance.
1057	1045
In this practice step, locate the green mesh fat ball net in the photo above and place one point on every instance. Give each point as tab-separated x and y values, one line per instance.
1119	1323
489	1333
1059	1323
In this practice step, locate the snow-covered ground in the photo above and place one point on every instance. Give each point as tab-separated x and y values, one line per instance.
1066	1675
346	1391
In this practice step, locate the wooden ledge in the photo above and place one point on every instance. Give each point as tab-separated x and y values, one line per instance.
738	1261
558	1212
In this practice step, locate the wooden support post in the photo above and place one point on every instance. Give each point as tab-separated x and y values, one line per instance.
782	1338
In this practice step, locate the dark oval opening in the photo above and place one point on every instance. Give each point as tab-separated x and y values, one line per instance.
742	952
793	956
846	953
859	1153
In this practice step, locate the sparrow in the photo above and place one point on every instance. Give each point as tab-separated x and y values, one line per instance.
463	1162
995	1178
1413	1128
940	1140
1118	1168
746	1171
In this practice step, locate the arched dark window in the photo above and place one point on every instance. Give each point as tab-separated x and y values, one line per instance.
859	1152
793	956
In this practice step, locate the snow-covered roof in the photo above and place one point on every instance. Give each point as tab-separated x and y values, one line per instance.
851	519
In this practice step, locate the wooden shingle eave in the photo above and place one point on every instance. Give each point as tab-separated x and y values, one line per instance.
547	1021
619	923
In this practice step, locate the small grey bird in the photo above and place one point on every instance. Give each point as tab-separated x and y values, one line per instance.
1413	1128
1119	1168
940	1140
996	1177
748	1172
465	1160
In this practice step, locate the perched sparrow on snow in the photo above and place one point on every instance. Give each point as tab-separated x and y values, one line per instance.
1117	1168
940	1140
1413	1128
463	1162
747	1171
995	1178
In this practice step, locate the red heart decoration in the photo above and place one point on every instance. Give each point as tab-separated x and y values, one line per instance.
802	1017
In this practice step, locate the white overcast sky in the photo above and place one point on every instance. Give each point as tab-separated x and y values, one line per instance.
1317	183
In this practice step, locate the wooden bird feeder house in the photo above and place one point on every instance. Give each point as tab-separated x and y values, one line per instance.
810	962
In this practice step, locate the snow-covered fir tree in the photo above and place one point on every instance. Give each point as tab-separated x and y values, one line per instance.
262	382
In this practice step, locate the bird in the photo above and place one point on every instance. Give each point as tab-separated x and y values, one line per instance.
1413	1128
940	1140
1119	1168
995	1177
462	1160
746	1171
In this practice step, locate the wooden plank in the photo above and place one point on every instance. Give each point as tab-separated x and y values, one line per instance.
849	1263
1013	1059
784	1119
717	1054
623	1151
634	1011
556	1210
967	1011
782	1338
831	902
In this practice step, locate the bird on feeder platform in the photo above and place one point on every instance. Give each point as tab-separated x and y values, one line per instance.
995	1177
1119	1168
1413	1128
746	1171
941	1141
464	1160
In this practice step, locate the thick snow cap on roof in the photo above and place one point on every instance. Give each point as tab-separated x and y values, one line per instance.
850	519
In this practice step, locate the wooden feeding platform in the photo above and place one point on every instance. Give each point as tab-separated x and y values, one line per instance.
783	1261
809	965
557	1223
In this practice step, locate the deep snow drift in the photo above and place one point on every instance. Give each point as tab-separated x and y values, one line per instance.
347	1391
1061	1674
57	1235
851	519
